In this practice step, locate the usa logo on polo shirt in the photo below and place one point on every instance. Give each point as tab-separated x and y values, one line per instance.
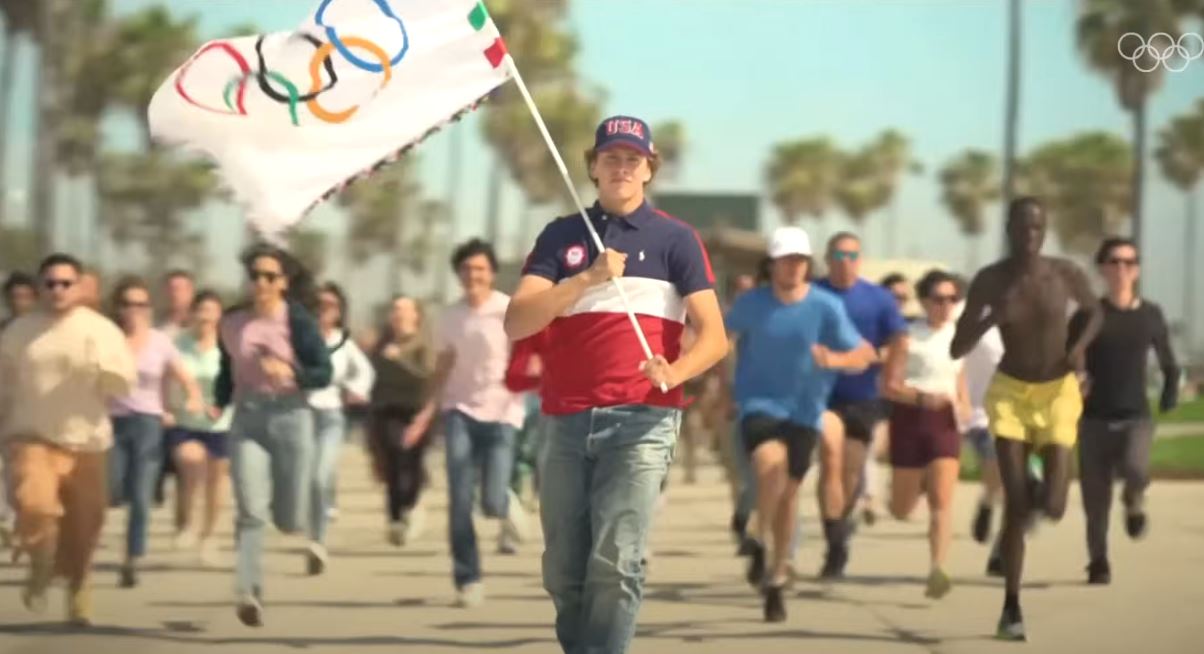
574	256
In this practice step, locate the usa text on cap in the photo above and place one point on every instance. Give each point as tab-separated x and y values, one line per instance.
624	130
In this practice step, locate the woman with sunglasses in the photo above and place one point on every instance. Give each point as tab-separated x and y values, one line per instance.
927	388
272	354
199	440
1115	432
404	360
350	385
138	418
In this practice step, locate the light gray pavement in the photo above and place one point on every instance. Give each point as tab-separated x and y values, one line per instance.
378	599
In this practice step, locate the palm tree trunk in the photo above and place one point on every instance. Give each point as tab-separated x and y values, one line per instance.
973	246
1189	281
44	164
1138	170
7	69
454	173
892	229
1011	121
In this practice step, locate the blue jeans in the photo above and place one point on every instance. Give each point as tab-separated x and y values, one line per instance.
330	425
271	458
473	445
134	463
601	473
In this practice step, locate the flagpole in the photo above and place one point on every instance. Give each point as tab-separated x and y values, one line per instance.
568	182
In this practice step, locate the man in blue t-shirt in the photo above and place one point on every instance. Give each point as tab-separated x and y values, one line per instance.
791	338
858	414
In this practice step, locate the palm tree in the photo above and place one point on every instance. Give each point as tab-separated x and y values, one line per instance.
151	44
969	183
50	15
1011	109
379	209
864	185
803	176
310	247
893	150
18	248
670	141
1180	154
1084	182
20	17
1101	25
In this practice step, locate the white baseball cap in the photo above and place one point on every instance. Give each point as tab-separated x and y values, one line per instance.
787	241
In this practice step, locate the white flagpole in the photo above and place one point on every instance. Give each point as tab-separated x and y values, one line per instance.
568	181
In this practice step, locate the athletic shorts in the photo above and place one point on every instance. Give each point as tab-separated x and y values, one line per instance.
982	442
1039	414
860	418
800	441
216	444
920	436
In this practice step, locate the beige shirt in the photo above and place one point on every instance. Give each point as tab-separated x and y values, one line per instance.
58	375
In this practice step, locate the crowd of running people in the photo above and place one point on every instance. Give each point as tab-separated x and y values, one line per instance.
100	403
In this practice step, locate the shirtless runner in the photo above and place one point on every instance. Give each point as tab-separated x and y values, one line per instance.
1033	402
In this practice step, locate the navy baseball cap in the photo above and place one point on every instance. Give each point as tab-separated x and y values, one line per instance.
624	130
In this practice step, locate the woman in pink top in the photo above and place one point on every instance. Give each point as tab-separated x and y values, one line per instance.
137	418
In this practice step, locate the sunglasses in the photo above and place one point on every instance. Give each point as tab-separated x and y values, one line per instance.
267	276
902	299
53	284
845	255
943	299
1117	261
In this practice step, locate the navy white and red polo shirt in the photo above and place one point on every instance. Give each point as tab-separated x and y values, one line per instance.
593	357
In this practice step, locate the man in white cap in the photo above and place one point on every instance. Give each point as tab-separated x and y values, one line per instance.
792	339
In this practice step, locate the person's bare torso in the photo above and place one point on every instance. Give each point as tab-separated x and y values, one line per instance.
1032	310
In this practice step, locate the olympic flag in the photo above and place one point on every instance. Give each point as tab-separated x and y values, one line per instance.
291	117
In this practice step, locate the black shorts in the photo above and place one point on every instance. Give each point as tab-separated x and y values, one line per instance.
800	441
860	418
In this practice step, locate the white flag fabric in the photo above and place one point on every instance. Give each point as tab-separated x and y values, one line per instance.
291	117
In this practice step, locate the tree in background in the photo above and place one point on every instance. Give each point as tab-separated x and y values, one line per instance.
803	176
20	17
1180	154
669	137
1101	25
310	247
970	182
865	185
1085	183
893	152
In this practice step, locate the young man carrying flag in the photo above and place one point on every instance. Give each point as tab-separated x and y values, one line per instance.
611	429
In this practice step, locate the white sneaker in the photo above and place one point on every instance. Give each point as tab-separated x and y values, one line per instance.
516	521
471	595
185	540
332	514
395	533
507	540
208	553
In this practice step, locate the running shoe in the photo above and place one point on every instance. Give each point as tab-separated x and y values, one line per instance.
316	558
128	576
250	610
396	533
939	584
834	563
1011	627
79	606
41	573
995	566
1099	573
756	565
208	553
982	523
507	539
775	606
1136	525
185	540
470	595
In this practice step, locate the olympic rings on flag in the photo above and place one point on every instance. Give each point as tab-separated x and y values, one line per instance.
315	74
341	44
262	75
238	59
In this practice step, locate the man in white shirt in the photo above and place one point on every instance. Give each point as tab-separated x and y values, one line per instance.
480	415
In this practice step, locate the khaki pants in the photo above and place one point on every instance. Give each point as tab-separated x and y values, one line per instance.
60	498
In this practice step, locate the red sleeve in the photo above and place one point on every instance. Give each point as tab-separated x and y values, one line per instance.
517	379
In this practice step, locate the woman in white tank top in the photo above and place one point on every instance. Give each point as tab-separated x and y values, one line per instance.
927	388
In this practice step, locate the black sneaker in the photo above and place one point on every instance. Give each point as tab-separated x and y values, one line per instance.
128	577
250	610
834	563
1099	573
1011	627
775	606
747	547
982	524
1135	525
995	566
756	564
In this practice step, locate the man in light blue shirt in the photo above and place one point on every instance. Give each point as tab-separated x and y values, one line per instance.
792	338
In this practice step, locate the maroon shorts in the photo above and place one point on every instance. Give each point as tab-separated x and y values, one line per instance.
920	436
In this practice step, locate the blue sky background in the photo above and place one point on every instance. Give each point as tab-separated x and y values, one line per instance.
745	74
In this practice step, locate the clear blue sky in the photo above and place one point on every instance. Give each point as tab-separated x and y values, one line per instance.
744	74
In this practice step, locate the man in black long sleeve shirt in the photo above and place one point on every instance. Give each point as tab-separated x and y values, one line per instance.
1116	430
